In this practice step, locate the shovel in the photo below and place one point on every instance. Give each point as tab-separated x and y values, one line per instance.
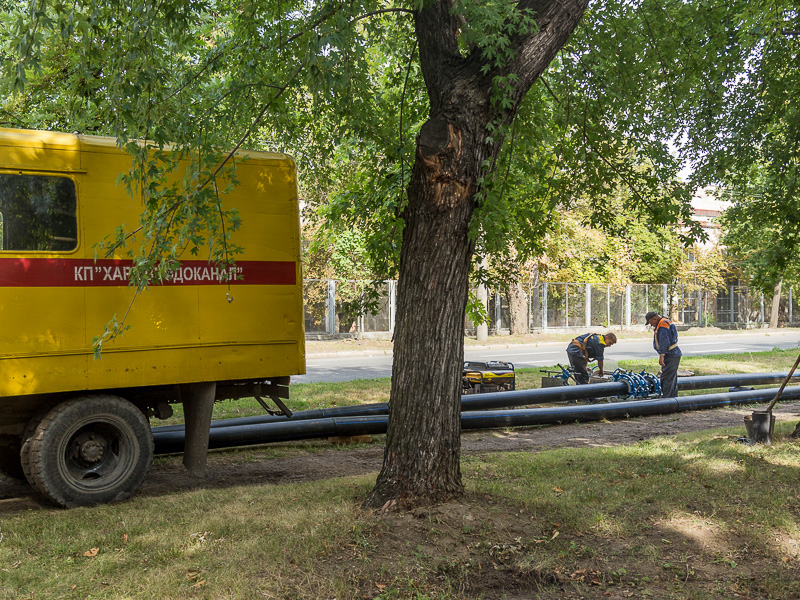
760	425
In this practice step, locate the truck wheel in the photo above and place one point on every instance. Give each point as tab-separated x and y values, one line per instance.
90	450
25	450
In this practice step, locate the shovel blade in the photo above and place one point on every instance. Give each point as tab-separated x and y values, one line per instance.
760	427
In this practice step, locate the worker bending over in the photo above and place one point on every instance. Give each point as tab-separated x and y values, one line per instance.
586	348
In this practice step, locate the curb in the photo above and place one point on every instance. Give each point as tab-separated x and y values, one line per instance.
345	353
387	352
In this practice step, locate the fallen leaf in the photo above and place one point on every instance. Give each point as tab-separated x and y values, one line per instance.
124	538
200	583
557	489
92	553
555	535
380	586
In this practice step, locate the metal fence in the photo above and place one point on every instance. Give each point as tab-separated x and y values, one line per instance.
335	307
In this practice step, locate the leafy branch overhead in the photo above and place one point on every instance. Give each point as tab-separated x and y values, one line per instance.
195	75
341	87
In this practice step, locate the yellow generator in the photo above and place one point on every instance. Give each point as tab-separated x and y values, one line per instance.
78	427
491	376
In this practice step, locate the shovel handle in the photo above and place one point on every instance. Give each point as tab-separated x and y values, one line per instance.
783	385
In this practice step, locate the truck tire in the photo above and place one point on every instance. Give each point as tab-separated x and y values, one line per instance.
90	450
25	449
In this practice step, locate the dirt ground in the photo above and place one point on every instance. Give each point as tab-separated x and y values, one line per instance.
493	574
330	464
224	469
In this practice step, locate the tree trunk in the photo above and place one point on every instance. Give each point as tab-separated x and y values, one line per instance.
482	329
421	461
518	308
422	456
776	306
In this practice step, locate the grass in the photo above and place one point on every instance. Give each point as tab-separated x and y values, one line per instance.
249	542
693	516
675	517
749	362
695	499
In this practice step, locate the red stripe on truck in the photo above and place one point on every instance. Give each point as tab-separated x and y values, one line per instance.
85	272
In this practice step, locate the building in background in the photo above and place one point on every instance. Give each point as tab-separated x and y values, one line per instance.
707	211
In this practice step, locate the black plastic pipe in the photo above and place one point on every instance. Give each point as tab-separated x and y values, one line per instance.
261	433
614	410
507	399
245	435
379	408
469	402
705	382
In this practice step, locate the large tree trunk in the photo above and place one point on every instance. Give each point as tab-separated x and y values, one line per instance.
422	457
421	461
776	305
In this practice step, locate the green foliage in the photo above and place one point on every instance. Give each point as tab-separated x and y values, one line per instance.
753	150
476	310
704	269
628	250
341	88
757	233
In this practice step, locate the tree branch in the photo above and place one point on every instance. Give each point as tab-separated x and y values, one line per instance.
437	34
556	20
381	12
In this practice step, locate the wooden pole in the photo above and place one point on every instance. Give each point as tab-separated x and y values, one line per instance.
783	385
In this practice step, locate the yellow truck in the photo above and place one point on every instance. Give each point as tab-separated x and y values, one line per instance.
76	427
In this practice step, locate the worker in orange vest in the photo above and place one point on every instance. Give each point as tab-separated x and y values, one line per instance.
584	349
665	342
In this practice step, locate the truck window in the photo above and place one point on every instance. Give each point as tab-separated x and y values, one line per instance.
38	213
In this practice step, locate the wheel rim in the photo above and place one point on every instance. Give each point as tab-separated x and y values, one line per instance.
97	453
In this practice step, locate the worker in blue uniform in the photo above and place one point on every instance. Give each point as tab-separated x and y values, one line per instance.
586	348
665	342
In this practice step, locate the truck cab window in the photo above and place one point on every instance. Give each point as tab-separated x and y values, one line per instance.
38	213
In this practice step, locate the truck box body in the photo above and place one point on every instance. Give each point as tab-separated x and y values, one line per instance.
58	198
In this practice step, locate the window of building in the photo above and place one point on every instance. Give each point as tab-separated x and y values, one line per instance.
38	213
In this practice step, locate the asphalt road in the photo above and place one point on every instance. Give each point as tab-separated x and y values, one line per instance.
338	367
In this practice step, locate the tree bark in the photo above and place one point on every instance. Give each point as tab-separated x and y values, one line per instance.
776	305
421	460
518	308
423	448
